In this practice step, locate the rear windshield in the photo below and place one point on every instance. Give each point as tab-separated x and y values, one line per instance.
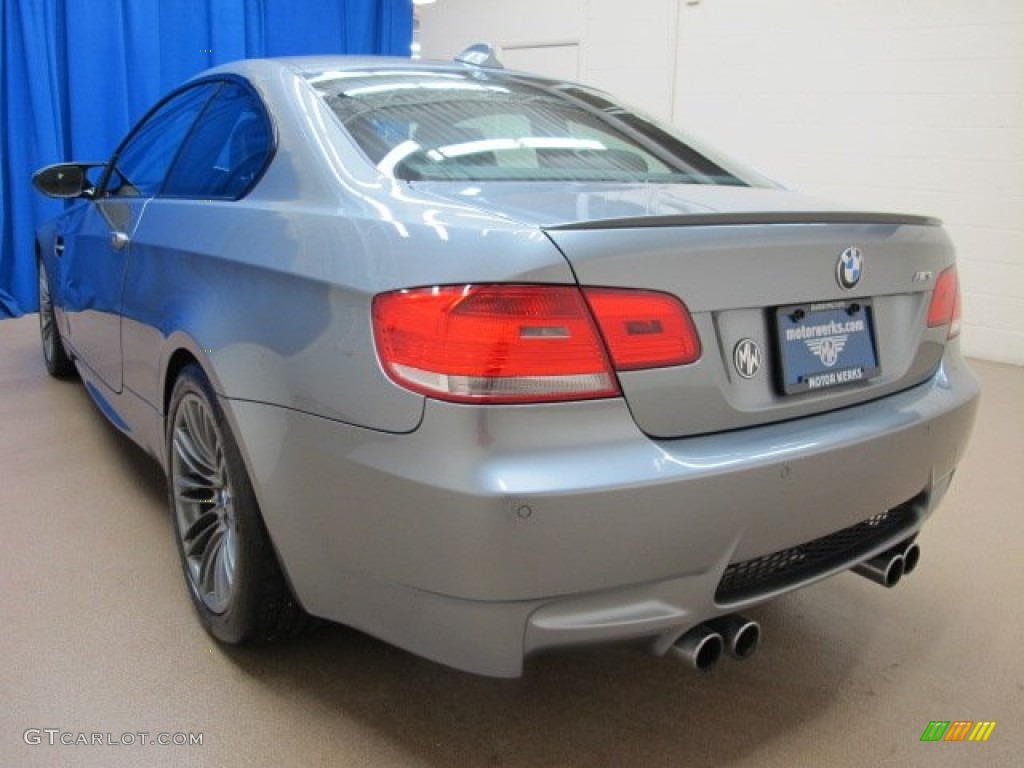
482	126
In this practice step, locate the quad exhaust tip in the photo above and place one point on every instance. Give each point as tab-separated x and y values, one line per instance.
740	634
911	555
885	569
704	645
701	648
889	567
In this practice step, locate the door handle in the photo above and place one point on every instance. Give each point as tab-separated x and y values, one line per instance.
119	240
58	246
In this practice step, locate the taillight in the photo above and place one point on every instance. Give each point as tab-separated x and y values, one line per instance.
945	305
525	343
644	329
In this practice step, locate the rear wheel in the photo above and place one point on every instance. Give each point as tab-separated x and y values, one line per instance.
58	362
230	567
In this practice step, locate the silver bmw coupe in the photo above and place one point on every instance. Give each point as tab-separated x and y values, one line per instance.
487	364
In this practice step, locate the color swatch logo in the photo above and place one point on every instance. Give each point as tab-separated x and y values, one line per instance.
958	730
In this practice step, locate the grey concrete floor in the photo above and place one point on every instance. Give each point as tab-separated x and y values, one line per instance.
97	636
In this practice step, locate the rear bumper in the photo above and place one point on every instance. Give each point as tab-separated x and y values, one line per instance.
492	533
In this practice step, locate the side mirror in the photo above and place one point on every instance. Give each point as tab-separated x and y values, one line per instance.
64	180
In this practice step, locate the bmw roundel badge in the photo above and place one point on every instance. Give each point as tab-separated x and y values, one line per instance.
849	268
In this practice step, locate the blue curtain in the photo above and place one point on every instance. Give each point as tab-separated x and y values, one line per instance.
75	75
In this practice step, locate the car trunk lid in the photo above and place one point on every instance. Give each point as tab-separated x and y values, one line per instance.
789	324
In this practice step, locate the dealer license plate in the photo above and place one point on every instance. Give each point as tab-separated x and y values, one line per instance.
826	345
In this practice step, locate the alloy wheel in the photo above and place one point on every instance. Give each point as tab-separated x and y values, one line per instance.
203	503
47	326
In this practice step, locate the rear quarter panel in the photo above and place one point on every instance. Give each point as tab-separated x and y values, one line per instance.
274	297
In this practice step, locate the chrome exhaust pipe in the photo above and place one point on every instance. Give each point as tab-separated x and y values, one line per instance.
911	556
741	635
885	569
701	648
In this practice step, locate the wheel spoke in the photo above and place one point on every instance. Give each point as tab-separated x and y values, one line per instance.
208	566
194	429
208	438
205	443
197	537
192	456
193	490
196	432
222	574
229	554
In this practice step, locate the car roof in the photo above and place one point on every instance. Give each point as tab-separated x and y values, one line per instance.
306	66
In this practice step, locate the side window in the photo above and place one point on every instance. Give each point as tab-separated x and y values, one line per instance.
226	150
143	160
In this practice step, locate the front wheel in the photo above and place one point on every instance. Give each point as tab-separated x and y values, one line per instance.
230	567
58	362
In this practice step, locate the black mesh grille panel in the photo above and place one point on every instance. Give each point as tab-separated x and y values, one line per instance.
805	561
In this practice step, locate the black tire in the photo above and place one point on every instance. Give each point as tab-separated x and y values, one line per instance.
58	361
230	567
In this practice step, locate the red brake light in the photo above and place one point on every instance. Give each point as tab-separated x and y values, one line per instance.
644	329
945	305
954	322
526	343
494	344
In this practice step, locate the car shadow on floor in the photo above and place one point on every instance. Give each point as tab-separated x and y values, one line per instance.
598	706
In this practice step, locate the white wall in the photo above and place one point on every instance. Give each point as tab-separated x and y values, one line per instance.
912	105
627	47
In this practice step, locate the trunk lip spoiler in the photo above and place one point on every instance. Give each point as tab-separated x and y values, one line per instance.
744	219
